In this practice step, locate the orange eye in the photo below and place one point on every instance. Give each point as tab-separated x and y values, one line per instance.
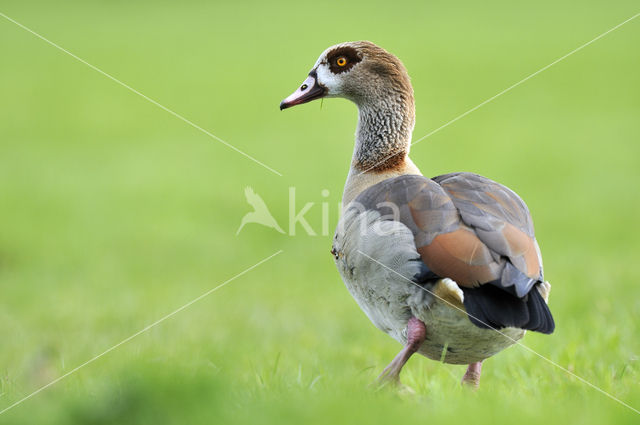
342	61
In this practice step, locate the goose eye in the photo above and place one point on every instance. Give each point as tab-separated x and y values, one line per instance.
342	61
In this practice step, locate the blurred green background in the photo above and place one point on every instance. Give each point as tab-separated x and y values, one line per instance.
114	213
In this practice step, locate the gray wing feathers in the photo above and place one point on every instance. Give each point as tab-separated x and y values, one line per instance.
477	221
485	204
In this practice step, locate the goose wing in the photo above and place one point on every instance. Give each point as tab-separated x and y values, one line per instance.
475	232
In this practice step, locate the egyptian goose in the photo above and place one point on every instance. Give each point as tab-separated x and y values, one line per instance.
447	266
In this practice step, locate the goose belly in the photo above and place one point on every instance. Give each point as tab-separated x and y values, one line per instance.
452	338
377	268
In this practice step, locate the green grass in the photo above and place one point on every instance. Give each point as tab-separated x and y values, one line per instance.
113	213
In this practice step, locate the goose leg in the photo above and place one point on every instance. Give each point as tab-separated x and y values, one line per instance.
416	333
472	375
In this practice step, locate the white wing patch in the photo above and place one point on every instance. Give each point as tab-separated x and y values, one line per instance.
453	288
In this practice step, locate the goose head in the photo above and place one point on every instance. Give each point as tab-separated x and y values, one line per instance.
378	83
359	71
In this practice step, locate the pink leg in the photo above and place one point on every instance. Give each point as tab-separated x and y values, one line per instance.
416	333
472	375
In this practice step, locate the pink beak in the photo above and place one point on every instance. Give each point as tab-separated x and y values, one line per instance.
308	91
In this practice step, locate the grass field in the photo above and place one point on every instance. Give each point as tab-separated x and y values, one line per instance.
114	213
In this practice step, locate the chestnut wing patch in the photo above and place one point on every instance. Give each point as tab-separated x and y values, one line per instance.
500	219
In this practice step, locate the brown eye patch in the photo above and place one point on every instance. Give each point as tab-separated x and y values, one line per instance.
342	59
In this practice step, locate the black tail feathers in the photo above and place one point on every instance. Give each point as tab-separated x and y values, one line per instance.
491	307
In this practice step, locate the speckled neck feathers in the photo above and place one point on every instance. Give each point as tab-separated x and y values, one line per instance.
386	113
383	135
381	88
